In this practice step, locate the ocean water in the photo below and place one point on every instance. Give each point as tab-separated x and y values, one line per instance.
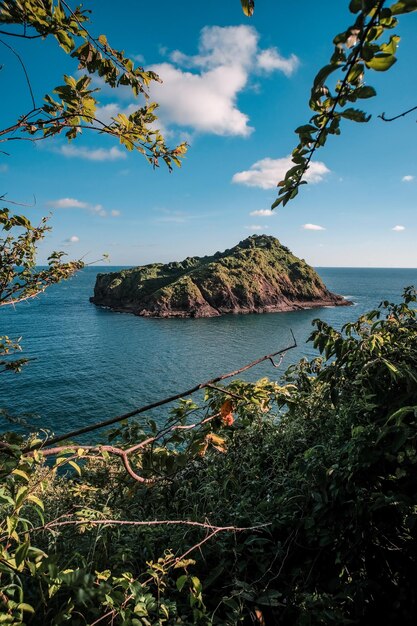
90	364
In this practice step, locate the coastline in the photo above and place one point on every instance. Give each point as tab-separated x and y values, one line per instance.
284	307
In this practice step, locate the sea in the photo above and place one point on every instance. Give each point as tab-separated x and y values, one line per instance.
89	364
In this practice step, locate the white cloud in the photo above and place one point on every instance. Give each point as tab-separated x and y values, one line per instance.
98	154
204	97
262	213
312	227
73	203
98	209
407	179
222	46
267	172
68	203
4	168
107	112
73	239
270	60
206	102
398	228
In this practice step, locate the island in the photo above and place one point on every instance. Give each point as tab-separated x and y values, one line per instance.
258	275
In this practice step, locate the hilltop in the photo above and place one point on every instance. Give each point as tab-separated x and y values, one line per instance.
258	275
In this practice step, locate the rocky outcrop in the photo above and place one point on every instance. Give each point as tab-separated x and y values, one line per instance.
259	275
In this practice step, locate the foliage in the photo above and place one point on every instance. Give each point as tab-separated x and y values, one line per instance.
360	48
73	106
320	472
264	503
20	279
70	110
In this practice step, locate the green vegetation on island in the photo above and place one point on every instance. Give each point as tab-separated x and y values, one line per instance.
259	275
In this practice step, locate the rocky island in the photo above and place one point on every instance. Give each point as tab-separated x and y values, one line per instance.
259	275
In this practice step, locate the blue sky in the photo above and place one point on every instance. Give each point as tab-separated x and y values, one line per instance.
235	89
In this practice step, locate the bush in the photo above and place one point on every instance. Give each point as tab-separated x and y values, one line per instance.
320	471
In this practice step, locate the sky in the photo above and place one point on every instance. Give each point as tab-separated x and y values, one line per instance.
235	89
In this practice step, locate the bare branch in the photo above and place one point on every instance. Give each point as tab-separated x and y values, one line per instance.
396	117
24	70
5	32
116	522
4	199
168	400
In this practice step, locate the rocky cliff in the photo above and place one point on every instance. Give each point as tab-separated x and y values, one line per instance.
259	275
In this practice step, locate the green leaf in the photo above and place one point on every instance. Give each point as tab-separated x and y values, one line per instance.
365	92
23	606
181	582
75	466
404	6
356	115
381	62
22	474
21	553
65	41
21	495
248	7
322	75
355	6
36	500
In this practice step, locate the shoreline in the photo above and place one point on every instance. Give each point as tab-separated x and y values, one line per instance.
183	314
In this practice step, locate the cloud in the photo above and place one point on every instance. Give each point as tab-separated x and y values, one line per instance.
73	203
222	46
204	102
107	112
98	154
271	60
72	239
68	203
312	227
200	91
4	168
98	209
267	172
398	228
407	179
262	213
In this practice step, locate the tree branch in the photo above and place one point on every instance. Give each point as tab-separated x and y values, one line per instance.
167	400
24	70
396	117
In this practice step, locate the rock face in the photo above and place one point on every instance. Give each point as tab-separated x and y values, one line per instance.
259	275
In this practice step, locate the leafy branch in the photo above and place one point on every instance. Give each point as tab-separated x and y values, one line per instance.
358	49
72	107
